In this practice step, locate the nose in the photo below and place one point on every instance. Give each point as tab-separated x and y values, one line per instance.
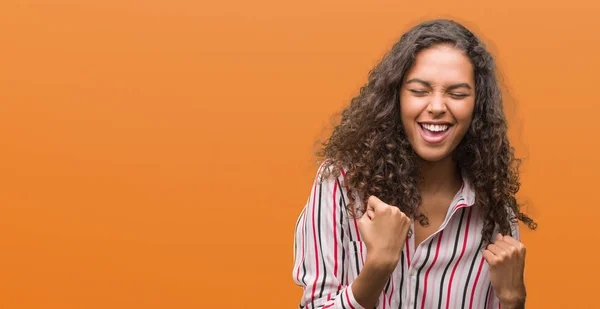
437	105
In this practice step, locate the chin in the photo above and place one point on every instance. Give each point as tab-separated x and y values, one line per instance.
431	155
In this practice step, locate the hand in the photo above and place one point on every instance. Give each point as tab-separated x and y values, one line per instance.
506	257
383	228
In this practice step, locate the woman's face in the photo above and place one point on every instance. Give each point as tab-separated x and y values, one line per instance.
437	97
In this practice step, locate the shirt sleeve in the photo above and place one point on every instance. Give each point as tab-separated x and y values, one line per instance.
321	246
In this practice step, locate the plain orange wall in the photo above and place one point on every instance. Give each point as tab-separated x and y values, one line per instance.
157	153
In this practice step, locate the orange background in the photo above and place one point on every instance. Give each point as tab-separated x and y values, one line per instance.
157	153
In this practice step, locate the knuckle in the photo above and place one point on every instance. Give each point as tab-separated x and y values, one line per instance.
372	200
491	259
387	209
362	219
405	218
361	224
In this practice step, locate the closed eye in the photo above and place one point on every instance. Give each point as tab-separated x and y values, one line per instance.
459	95
419	92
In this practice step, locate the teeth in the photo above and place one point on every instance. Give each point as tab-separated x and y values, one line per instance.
435	127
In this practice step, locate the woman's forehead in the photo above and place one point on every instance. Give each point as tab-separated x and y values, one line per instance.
442	65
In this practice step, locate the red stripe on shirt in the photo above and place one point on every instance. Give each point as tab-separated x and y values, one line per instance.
437	251
335	246
407	253
315	239
459	206
302	261
355	224
459	258
392	292
348	299
304	224
475	283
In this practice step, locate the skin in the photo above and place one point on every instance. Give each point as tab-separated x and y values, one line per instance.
506	257
439	88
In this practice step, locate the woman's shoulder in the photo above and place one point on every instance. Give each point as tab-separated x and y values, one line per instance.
331	171
331	178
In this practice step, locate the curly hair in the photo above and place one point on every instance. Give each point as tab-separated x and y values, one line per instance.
370	142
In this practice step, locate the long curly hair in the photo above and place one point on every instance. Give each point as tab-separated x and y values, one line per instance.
370	142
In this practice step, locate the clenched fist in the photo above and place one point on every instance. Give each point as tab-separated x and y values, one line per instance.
383	228
506	257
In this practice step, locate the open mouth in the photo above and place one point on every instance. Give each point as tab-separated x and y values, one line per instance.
434	133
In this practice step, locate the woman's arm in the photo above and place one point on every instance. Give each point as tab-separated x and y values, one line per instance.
384	228
320	244
370	282
506	257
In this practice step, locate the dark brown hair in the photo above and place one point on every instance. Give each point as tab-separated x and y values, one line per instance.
370	142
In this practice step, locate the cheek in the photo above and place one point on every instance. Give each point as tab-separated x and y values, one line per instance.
463	112
463	115
409	109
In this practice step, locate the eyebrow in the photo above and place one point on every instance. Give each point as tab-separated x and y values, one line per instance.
428	84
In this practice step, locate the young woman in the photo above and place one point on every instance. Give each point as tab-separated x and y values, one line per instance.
414	205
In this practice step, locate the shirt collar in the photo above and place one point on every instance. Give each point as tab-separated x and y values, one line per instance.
467	193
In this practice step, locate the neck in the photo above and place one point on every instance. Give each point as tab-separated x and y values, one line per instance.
440	176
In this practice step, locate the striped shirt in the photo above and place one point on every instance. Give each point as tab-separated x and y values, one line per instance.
447	270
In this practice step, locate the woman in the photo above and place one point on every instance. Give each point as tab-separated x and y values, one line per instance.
414	205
